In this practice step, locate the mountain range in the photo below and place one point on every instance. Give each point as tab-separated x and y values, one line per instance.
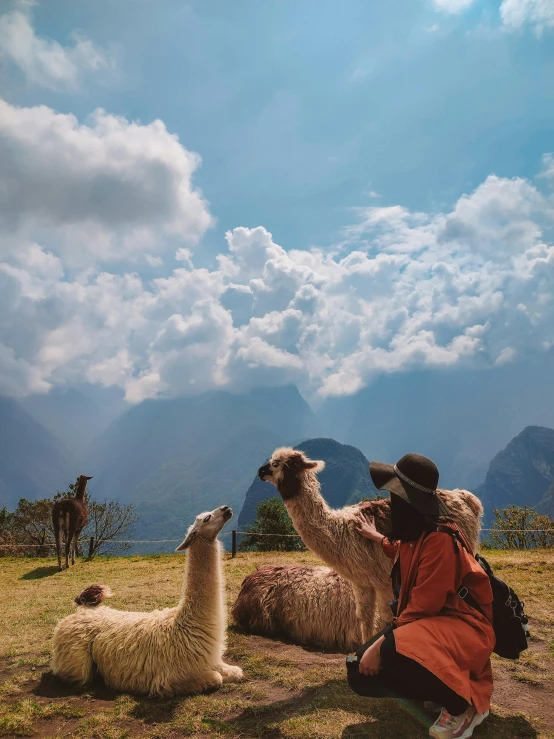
173	458
33	463
459	418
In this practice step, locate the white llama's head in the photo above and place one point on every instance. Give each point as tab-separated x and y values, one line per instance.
284	465
206	526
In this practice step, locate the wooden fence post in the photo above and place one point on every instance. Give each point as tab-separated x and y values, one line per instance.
234	545
90	547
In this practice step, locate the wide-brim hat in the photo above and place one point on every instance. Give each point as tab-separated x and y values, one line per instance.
414	478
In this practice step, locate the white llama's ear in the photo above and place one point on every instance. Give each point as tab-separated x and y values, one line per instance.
315	465
190	537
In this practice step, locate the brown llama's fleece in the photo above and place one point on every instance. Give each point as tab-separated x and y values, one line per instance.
331	534
310	606
69	517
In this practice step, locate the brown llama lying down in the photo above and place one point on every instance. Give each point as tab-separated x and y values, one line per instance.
310	606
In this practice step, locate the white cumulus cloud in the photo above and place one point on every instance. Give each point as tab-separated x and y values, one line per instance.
476	291
536	13
44	61
471	286
110	189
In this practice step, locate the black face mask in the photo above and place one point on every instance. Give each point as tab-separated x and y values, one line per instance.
407	523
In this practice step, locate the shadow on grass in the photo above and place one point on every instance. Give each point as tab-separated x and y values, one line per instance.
506	727
51	686
318	708
357	731
40	572
155	710
495	727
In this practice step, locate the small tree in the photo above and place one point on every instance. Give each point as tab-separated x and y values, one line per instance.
271	518
518	527
109	521
7	539
31	525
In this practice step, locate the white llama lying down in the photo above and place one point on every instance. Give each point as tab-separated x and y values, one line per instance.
173	651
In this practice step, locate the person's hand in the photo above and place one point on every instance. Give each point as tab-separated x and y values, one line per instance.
370	663
366	527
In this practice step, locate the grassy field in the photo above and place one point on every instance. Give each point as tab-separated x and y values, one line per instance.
289	693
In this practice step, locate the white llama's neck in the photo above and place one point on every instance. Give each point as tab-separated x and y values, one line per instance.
321	528
202	599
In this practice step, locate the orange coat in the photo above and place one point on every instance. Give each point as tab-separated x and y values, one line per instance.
435	627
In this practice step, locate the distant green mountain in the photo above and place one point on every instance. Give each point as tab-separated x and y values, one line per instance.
33	464
176	458
522	473
344	480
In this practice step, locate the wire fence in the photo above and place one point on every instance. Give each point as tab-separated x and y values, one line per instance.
93	542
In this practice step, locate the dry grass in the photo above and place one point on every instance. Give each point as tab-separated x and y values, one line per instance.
290	693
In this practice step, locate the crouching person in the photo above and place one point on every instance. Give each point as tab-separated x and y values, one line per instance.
437	648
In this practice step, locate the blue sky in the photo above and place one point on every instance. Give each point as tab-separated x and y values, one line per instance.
340	127
298	109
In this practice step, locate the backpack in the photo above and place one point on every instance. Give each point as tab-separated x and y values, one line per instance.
510	623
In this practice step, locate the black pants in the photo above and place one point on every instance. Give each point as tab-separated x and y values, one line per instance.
402	677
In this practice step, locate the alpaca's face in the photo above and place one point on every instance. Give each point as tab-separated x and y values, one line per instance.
286	464
207	526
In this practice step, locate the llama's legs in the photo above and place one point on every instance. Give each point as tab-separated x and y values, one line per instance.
77	537
365	610
70	535
75	547
229	673
58	537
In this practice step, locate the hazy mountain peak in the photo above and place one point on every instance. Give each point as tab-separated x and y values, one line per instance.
522	473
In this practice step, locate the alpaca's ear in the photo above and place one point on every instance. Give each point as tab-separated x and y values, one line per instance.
88	478
315	465
190	537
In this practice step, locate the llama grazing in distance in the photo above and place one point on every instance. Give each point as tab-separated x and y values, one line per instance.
165	652
69	517
331	534
311	606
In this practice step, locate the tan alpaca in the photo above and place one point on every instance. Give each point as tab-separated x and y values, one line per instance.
173	651
311	606
331	534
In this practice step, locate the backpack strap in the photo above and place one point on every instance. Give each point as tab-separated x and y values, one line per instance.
466	596
462	591
455	536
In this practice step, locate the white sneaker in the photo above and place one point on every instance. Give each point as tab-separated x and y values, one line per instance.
431	707
457	727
